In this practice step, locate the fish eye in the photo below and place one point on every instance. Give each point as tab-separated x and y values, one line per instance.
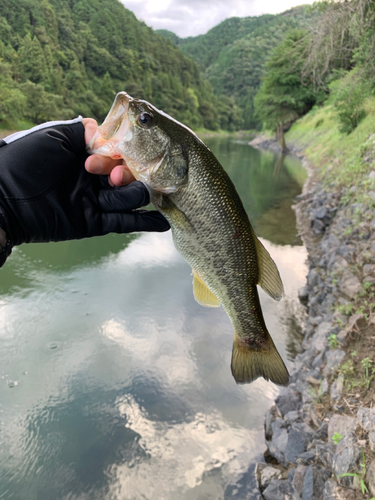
145	119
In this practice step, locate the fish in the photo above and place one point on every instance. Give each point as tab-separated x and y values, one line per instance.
209	224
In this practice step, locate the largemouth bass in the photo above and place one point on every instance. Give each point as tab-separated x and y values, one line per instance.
210	227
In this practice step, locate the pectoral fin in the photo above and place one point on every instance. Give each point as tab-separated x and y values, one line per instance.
170	211
202	294
269	277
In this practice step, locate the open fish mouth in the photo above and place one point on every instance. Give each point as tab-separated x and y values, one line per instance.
115	130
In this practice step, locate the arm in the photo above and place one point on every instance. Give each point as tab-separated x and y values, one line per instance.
46	194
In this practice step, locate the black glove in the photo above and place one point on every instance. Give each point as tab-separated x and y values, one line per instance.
47	195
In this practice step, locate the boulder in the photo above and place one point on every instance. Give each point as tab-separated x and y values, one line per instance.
366	418
314	482
349	284
334	358
267	474
278	490
288	400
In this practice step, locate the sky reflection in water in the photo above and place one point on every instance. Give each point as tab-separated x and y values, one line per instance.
115	384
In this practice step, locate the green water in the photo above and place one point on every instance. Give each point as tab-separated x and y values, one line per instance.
114	383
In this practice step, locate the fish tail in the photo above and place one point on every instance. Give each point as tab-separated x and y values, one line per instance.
257	356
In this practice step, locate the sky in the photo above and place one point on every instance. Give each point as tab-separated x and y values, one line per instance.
195	17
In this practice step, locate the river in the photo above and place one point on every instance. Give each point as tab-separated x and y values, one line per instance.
114	383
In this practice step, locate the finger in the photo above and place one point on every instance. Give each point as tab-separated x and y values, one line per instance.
136	221
91	127
123	199
121	175
100	165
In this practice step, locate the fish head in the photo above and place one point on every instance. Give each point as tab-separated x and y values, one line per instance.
147	139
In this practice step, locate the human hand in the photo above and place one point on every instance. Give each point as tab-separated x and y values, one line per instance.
47	195
118	173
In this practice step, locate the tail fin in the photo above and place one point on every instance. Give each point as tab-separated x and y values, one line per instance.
253	358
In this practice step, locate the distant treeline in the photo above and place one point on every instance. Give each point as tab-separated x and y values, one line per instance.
60	58
233	54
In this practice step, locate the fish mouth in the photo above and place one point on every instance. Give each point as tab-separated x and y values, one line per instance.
116	129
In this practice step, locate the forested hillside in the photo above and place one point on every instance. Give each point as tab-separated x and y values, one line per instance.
60	58
232	55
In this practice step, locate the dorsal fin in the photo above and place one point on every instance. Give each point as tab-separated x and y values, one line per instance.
202	294
269	277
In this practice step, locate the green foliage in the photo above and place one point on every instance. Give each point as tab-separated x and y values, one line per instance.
333	342
283	95
336	438
64	58
347	95
232	57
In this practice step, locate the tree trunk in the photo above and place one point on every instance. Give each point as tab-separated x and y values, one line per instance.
280	137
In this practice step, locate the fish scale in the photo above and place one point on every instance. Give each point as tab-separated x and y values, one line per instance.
210	227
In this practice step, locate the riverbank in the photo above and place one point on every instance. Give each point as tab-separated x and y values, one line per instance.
322	426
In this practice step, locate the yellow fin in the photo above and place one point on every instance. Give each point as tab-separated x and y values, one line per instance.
269	277
202	294
253	358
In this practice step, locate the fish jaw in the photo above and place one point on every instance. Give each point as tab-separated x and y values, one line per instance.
116	130
144	146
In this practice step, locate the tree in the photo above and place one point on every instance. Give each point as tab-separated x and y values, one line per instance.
284	95
41	105
344	36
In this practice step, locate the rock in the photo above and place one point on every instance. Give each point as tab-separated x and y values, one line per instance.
369	269
267	474
313	278
356	321
341	424
349	284
334	358
318	226
332	491
371	440
306	458
337	263
277	446
343	337
303	295
292	416
278	490
299	436
366	418
288	400
324	387
314	482
336	388
297	481
370	477
325	453
346	458
270	418
319	339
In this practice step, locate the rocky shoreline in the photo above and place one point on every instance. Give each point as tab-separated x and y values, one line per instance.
317	428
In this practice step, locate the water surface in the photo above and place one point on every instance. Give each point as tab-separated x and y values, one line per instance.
114	383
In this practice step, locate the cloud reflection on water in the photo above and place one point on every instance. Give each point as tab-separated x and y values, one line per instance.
136	400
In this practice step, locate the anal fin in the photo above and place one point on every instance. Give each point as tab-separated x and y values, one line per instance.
203	294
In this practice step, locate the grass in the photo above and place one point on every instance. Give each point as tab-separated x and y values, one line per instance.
341	158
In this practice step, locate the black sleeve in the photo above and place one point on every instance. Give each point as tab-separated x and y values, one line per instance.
47	195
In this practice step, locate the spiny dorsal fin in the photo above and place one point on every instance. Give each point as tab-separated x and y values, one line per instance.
202	294
269	277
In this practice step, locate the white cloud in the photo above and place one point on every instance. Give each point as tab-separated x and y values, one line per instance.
195	17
